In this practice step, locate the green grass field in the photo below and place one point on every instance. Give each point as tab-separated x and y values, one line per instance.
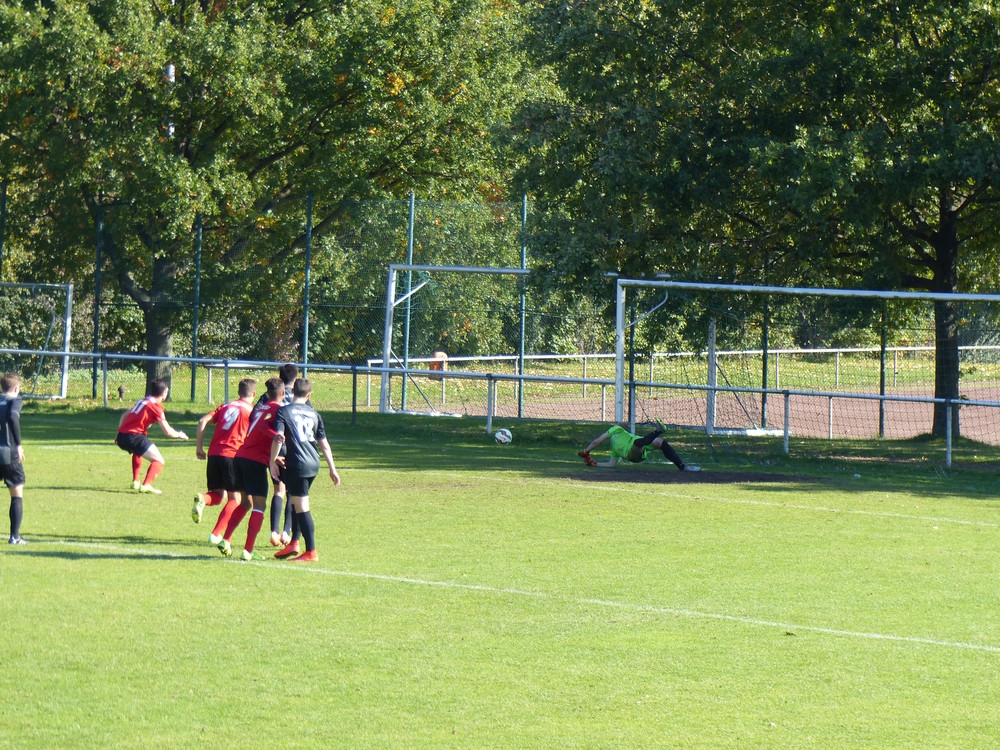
473	596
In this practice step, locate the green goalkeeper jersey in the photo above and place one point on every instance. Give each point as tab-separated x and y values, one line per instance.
621	442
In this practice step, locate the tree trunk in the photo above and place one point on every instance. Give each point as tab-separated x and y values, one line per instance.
159	343
946	372
946	314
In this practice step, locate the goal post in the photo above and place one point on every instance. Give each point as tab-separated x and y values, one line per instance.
981	326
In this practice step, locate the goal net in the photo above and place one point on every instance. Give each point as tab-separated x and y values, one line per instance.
823	363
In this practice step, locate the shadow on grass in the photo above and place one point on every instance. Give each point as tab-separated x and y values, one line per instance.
104	555
633	475
138	545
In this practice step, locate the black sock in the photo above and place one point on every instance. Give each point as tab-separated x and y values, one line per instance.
647	439
671	455
296	530
277	509
308	529
16	513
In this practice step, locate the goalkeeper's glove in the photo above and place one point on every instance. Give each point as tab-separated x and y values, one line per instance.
586	458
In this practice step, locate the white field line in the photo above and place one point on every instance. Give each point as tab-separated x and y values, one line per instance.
578	601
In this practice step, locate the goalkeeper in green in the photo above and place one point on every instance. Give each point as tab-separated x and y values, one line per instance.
628	447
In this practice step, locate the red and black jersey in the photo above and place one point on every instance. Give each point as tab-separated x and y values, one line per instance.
141	417
257	445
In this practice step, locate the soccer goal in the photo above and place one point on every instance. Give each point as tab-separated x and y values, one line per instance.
35	327
813	362
486	317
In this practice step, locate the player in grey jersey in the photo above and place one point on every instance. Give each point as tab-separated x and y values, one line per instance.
305	440
281	512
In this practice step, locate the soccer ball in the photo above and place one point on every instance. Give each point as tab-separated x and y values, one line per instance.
503	437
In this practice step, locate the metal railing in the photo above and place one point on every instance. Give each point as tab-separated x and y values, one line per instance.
489	396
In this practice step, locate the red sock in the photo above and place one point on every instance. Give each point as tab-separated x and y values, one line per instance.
224	515
153	472
239	513
212	498
253	528
136	467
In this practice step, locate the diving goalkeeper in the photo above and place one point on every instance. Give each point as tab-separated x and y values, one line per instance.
628	447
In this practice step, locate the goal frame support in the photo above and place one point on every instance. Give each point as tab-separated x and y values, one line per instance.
391	302
67	319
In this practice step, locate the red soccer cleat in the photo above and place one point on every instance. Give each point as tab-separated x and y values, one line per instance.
308	556
287	551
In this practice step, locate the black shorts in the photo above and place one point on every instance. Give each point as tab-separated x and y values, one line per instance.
252	477
296	486
221	473
12	473
281	475
133	442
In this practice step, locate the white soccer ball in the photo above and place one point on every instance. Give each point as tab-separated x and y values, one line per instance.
503	436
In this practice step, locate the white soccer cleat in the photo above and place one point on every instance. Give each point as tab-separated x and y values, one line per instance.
198	508
691	468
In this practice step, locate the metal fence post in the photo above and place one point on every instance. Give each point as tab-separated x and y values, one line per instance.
788	403
490	405
947	432
354	394
104	370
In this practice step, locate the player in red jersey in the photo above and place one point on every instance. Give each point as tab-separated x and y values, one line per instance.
231	423
133	436
252	476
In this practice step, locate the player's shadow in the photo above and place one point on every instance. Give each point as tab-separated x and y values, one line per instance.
636	475
132	541
77	488
69	554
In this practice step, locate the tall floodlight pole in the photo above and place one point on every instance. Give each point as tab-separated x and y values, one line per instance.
98	262
3	220
305	293
409	288
197	304
524	305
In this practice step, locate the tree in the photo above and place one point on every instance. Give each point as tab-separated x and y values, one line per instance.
146	115
814	143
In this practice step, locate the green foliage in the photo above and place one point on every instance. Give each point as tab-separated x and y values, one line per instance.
155	115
